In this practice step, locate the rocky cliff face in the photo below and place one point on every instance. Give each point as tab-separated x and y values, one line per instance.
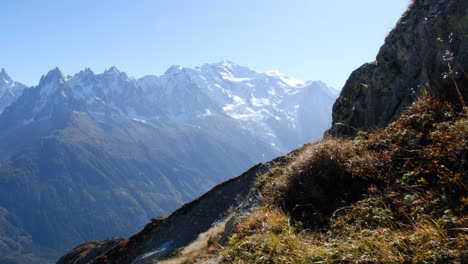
427	50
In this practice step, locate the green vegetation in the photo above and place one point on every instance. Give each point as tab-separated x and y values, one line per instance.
408	203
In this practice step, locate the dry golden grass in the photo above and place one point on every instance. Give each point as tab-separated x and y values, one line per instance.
328	150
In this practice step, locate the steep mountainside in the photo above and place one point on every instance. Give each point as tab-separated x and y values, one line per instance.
114	151
427	50
397	195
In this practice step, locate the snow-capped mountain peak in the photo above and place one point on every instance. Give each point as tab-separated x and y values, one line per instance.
225	63
4	77
85	75
173	69
284	78
229	71
115	74
112	71
53	76
51	82
271	104
9	90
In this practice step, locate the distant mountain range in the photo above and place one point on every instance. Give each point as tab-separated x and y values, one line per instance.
93	155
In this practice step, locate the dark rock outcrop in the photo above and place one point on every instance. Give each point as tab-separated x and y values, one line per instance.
428	40
86	252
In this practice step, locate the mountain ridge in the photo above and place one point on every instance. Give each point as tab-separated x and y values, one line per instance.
187	95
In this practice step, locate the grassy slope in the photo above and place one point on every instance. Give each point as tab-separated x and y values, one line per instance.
397	195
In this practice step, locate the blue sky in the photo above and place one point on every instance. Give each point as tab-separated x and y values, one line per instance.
306	39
